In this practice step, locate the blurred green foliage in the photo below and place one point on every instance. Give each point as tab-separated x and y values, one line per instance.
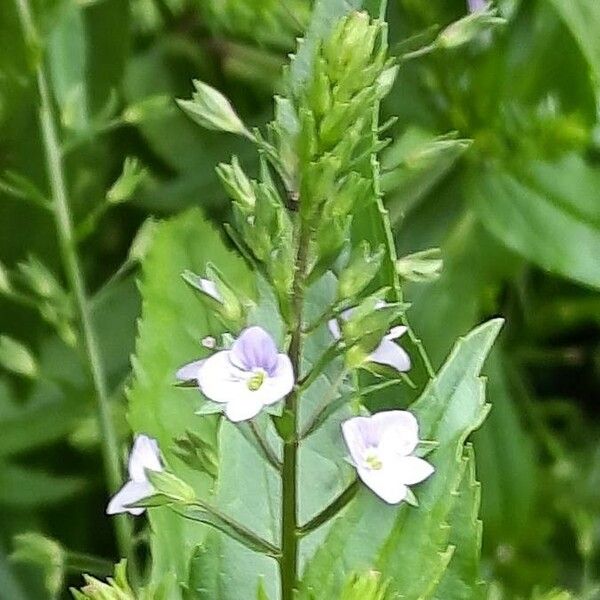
497	162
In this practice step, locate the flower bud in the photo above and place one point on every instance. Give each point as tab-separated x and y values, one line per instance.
421	266
236	183
125	186
17	358
210	109
173	489
468	28
362	267
5	284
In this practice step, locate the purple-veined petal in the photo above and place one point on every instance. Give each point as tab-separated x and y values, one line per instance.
411	469
254	349
384	483
278	385
243	408
189	371
145	454
398	432
389	353
131	492
219	380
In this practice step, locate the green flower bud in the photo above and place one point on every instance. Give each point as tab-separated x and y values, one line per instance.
210	109
362	268
5	284
468	28
364	587
132	176
318	184
236	183
170	487
421	266
17	358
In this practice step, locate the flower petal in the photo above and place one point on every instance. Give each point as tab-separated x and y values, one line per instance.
411	469
219	380
243	409
189	371
279	384
357	433
334	328
145	454
131	492
395	332
398	432
385	484
388	353
254	349
210	289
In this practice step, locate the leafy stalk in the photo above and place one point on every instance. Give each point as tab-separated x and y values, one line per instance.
71	263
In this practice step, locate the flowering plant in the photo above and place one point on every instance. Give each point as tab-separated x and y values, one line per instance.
280	474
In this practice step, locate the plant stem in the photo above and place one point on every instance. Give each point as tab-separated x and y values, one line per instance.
389	236
70	258
289	526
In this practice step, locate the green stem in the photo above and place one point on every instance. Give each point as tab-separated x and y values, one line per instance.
70	258
389	236
289	527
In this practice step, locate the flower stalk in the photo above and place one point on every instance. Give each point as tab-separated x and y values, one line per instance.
68	245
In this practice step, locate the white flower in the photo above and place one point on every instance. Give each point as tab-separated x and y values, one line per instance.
387	353
380	447
144	455
246	378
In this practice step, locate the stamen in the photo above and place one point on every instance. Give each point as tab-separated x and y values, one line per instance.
374	462
256	380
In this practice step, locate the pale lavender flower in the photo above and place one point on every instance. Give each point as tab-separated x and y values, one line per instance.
380	447
387	353
477	5
144	455
246	378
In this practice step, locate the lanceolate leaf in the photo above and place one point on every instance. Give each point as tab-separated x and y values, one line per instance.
417	550
546	225
583	20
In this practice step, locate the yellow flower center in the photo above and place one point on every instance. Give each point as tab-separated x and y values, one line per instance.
257	379
374	462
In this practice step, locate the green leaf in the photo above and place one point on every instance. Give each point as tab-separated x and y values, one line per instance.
462	579
543	222
31	488
48	554
67	51
37	424
583	20
416	552
173	323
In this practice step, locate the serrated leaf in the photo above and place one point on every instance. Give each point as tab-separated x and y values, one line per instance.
173	323
416	551
462	578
